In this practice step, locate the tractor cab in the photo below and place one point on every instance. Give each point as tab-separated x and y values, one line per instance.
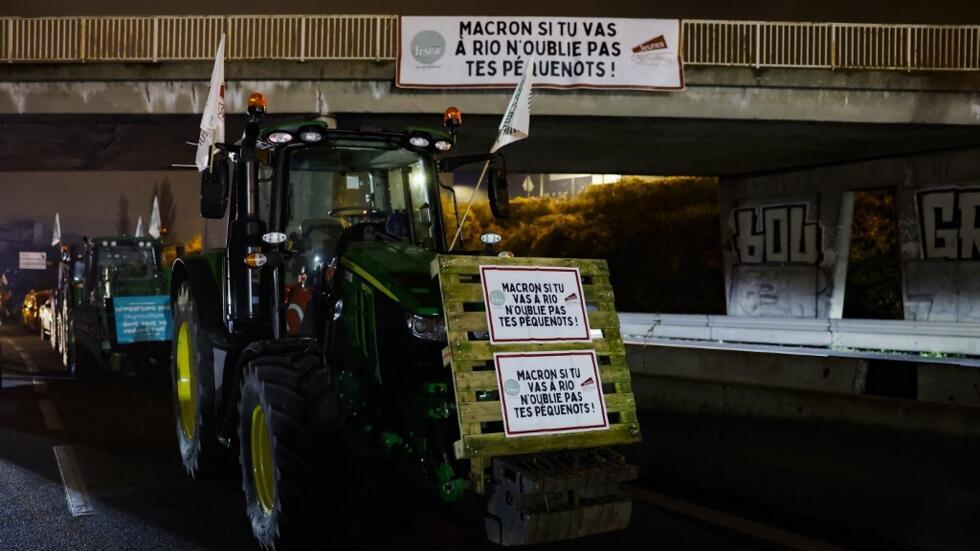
313	201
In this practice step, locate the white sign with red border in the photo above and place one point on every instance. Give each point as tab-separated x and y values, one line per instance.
550	392
568	52
528	304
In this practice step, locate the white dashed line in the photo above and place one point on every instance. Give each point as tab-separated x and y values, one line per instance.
76	492
13	345
52	421
28	362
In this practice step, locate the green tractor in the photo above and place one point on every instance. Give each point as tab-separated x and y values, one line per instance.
322	331
112	307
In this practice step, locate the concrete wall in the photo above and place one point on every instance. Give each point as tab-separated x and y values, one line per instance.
788	236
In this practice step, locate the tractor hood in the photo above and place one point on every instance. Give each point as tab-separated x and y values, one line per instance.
397	270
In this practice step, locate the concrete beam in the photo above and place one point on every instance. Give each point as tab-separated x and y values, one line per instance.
715	93
607	145
337	97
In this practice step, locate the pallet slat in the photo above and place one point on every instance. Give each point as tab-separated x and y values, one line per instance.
497	444
470	382
486	412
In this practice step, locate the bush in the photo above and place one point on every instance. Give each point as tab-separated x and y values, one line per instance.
660	236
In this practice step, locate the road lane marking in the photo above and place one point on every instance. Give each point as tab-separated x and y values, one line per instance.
76	492
13	345
52	421
731	522
28	362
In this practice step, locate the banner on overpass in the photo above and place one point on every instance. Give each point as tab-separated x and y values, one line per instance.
568	52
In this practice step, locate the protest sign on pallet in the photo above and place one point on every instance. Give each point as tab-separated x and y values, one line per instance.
543	382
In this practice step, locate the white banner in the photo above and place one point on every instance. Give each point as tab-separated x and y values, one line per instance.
29	260
569	52
550	392
534	304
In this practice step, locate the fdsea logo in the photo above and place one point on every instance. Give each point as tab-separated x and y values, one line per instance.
428	47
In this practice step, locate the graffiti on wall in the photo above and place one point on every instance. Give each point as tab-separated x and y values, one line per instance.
949	223
777	254
776	234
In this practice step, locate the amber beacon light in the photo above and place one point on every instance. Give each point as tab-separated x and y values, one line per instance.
256	103
452	118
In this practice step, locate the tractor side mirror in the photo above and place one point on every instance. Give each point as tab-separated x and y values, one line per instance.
497	188
214	189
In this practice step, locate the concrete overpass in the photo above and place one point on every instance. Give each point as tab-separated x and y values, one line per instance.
759	97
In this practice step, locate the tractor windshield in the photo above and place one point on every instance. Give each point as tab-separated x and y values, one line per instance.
128	261
348	182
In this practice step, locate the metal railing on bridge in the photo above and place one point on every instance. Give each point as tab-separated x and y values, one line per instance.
374	37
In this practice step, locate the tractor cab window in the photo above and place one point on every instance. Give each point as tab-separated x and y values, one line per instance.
127	261
368	184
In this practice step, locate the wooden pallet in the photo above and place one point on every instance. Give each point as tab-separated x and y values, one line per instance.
474	376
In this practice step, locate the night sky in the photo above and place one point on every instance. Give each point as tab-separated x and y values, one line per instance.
879	11
89	202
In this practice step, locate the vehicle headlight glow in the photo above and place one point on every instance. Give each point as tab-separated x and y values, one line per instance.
444	145
429	328
274	238
280	138
310	136
419	141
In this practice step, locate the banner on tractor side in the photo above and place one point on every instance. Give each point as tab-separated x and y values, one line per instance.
526	304
550	392
568	52
142	318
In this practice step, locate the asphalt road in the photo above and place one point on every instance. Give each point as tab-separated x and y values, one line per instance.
112	442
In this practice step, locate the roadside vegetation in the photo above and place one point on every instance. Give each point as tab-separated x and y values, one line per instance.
661	237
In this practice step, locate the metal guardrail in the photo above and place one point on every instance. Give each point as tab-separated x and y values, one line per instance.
374	37
194	38
832	45
832	334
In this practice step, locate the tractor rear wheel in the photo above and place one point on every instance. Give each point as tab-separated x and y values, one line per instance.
291	489
192	368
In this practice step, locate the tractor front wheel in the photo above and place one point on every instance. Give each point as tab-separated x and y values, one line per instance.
287	485
78	360
192	368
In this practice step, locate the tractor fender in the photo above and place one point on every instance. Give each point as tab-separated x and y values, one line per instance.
206	294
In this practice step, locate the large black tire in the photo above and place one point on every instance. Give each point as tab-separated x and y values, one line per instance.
78	360
303	489
196	421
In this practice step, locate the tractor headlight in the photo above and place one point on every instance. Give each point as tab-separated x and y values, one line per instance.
428	328
419	140
444	145
310	134
280	138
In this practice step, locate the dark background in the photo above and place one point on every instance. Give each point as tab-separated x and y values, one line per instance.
875	11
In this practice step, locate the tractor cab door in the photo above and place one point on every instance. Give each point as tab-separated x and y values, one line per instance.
314	242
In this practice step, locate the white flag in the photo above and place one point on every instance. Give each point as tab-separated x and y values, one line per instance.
155	219
56	233
213	119
517	119
139	227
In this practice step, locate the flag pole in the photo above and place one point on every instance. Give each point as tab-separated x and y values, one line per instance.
469	204
211	156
